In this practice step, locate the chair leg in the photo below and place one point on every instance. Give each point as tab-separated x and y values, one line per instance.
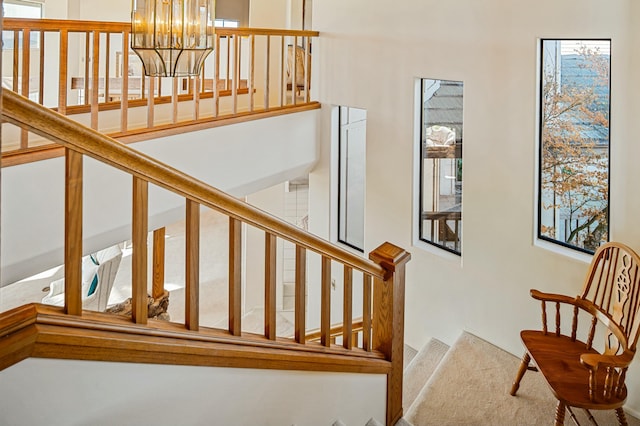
560	411
523	369
622	419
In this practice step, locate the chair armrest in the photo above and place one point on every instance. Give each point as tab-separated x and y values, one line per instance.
595	361
550	297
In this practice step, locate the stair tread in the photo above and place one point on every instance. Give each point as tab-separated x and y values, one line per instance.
422	366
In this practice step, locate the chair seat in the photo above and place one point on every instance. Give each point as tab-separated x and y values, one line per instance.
558	359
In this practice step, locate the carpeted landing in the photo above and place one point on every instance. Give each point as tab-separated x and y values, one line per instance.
471	384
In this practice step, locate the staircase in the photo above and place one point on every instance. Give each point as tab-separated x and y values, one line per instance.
468	384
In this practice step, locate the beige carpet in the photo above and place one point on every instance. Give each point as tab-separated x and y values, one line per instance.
471	387
418	372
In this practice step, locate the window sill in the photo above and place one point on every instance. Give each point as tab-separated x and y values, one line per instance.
563	251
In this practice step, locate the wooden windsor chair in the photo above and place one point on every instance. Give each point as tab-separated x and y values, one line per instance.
578	374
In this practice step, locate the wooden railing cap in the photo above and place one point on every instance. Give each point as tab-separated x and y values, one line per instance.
390	256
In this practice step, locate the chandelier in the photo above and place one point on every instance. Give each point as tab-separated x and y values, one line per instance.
172	37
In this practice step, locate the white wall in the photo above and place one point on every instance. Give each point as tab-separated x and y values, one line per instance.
268	14
108	393
369	55
239	159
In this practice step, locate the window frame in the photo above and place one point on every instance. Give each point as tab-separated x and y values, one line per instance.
421	170
540	146
340	194
39	4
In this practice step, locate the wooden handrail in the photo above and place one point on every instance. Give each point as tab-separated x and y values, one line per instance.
68	133
12	24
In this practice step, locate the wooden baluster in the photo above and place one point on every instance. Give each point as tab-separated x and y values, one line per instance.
388	321
235	277
87	53
95	80
252	58
283	73
62	72
26	62
124	85
140	229
73	233
158	262
294	70
16	61
307	68
325	303
267	80
301	296
216	78
347	312
150	102
143	80
196	98
26	65
192	267
236	73
228	73
41	74
106	66
174	101
270	286
367	300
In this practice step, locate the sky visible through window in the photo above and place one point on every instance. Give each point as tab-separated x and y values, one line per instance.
571	47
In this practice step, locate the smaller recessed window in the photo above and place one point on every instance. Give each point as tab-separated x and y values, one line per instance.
440	209
351	176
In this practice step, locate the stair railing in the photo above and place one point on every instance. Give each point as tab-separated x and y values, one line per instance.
82	68
383	310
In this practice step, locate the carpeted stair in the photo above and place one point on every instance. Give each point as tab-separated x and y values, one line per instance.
420	369
470	384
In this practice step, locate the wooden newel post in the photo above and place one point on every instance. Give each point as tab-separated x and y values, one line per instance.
388	320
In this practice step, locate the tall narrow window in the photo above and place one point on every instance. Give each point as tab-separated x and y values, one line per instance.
440	219
351	179
22	9
573	195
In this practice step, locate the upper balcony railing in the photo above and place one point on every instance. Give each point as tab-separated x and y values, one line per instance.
85	69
